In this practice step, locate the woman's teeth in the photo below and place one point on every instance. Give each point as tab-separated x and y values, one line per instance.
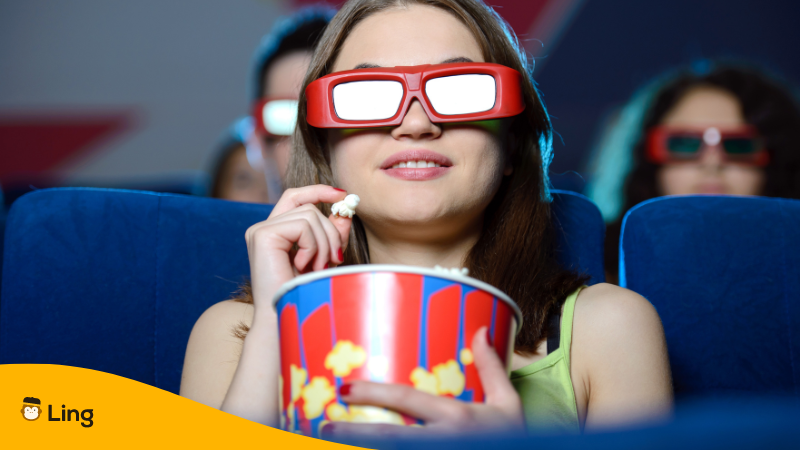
415	165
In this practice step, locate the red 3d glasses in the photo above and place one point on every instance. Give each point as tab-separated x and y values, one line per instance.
275	116
380	97
739	144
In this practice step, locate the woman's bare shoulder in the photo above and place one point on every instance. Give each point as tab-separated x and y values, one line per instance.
213	351
228	312
610	317
609	307
620	356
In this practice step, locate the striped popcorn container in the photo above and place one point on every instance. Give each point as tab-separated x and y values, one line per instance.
383	323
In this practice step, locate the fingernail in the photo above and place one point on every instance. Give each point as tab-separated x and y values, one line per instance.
340	190
345	389
489	338
341	255
326	266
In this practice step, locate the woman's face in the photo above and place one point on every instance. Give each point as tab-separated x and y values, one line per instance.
451	196
700	108
240	182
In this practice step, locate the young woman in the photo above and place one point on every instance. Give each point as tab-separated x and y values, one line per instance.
482	203
721	129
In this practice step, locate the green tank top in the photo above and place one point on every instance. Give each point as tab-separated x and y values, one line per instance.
545	386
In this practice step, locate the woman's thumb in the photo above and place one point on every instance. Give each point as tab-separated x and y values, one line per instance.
342	225
491	370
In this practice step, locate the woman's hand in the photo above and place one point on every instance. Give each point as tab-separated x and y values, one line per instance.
501	412
320	241
296	238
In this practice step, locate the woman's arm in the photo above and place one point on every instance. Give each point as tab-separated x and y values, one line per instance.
620	368
213	352
296	238
223	372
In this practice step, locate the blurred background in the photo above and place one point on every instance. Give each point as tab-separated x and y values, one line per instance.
137	94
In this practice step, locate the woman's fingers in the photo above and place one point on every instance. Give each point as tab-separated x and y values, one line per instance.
492	372
294	198
324	232
403	399
342	226
270	262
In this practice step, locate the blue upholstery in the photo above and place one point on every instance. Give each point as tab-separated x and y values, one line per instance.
114	280
580	232
729	424
724	274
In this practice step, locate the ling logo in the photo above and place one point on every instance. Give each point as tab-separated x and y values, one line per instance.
32	410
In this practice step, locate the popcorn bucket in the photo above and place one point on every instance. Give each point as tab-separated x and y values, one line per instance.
383	323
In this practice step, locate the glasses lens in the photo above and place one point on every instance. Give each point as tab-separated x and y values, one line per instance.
367	100
280	117
683	146
461	94
740	146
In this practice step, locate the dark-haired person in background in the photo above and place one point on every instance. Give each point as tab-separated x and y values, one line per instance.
253	153
236	174
280	63
715	129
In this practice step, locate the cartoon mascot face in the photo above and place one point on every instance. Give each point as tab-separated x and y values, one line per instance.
31	408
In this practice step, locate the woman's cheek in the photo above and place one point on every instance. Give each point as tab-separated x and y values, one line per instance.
677	179
744	180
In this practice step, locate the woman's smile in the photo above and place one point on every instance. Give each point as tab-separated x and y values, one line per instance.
416	165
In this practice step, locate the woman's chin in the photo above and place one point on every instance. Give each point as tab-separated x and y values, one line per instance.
416	216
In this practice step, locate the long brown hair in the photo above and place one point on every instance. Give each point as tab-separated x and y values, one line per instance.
515	251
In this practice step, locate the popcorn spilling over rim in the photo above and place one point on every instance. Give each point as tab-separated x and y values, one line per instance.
461	272
346	207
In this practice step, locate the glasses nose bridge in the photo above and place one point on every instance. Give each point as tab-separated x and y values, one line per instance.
413	81
414	86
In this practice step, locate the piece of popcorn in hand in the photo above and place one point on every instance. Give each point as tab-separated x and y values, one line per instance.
346	207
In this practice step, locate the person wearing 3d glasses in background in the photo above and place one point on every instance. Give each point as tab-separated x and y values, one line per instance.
427	111
712	129
280	62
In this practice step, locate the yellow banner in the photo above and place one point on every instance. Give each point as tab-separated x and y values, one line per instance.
48	406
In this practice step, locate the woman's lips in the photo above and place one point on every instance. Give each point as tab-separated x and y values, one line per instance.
419	174
435	165
416	155
711	188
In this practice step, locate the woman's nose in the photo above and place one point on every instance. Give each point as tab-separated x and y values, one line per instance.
416	124
712	156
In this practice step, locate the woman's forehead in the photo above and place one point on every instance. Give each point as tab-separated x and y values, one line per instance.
407	36
705	105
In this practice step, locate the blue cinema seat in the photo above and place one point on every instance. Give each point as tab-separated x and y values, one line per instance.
114	280
724	275
580	232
